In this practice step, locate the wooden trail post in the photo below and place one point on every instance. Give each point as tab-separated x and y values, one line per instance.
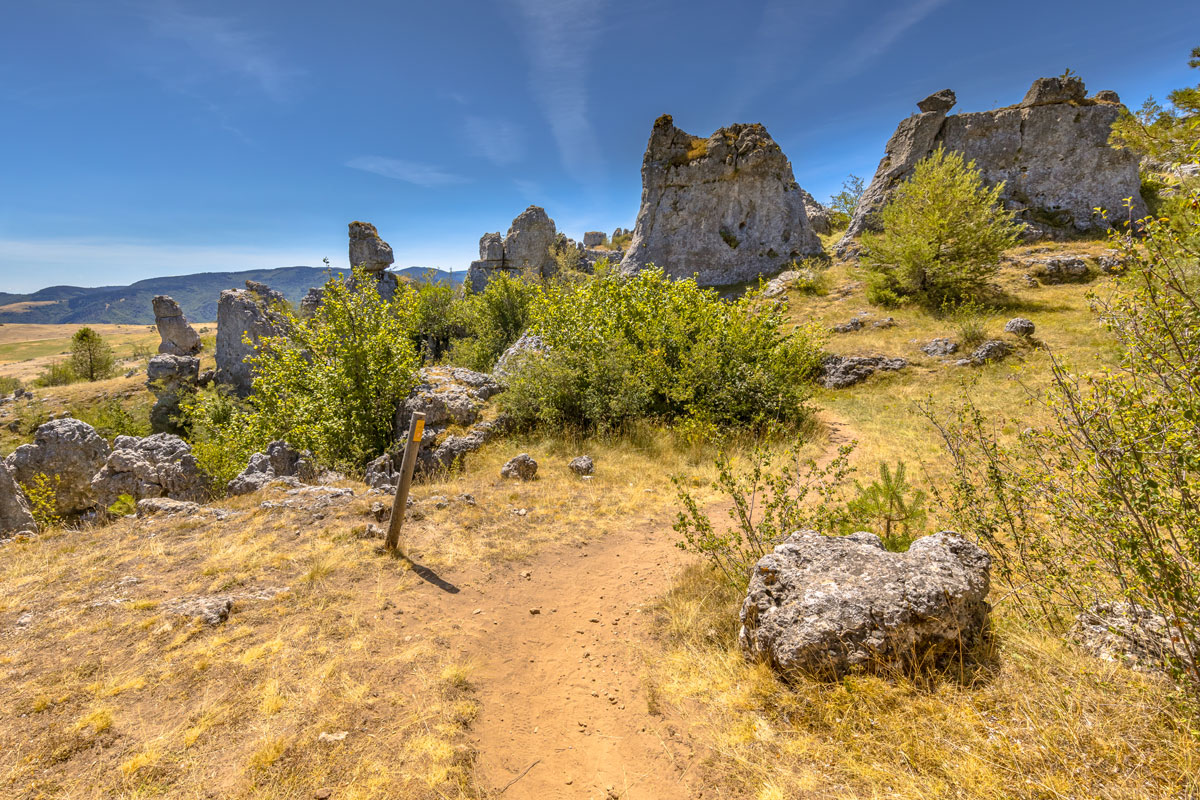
416	427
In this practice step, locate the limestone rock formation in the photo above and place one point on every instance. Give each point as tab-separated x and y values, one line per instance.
69	452
593	238
15	516
178	337
171	378
521	467
991	350
582	465
525	247
161	465
1051	151
1019	326
368	250
825	605
243	313
838	372
726	208
280	461
818	215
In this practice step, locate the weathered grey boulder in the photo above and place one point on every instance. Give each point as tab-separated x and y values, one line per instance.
161	465
178	337
280	462
818	215
838	372
171	378
521	467
15	516
593	238
67	451
939	347
1106	96
368	250
241	314
149	506
783	281
991	350
726	208
941	101
1019	326
529	346
582	465
1061	269
827	605
1051	151
312	301
526	247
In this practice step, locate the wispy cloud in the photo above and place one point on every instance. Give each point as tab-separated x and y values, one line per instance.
225	45
559	37
413	172
498	140
877	39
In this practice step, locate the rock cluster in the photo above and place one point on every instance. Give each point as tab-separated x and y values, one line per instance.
171	378
1060	269
838	372
67	451
526	247
826	605
1051	151
241	314
155	466
1126	633
939	347
991	350
281	462
178	337
818	215
726	208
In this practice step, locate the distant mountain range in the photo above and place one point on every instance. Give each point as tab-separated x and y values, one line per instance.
196	294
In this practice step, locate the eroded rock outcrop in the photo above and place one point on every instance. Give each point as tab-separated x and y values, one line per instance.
367	249
243	313
171	378
178	337
68	452
15	516
825	605
281	461
525	247
1051	151
161	465
726	208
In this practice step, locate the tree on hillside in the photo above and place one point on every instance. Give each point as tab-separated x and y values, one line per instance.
843	204
1170	134
942	235
91	357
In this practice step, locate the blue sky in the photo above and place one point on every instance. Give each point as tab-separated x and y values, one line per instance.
156	137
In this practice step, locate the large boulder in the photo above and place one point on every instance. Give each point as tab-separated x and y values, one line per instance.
171	378
818	215
241	314
525	248
178	337
1051	152
161	465
67	451
826	605
367	249
838	372
15	516
281	461
726	208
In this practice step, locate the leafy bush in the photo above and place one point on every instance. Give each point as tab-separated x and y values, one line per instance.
1170	134
9	384
625	348
438	319
56	373
221	430
42	493
493	320
330	384
943	233
91	357
1101	501
123	506
774	496
843	204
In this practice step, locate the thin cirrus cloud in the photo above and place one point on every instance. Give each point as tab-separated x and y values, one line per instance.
221	45
879	38
413	172
498	140
559	37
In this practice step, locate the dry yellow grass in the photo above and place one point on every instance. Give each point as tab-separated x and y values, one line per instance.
1035	720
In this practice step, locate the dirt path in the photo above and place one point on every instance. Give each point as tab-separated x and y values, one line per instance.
559	672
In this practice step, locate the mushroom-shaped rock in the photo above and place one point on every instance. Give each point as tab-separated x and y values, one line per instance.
826	605
367	249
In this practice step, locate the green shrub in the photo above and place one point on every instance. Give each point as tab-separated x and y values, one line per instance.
42	493
493	320
91	357
889	507
1100	502
775	495
942	235
331	383
843	204
123	506
649	347
438	319
9	384
56	373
